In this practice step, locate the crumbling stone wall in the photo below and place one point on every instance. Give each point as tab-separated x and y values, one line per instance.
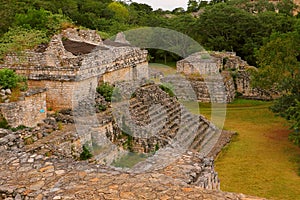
198	63
234	71
63	65
28	112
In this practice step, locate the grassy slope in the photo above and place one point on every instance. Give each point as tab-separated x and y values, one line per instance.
260	161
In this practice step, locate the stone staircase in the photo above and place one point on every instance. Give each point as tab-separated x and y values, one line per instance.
196	88
168	123
181	86
61	143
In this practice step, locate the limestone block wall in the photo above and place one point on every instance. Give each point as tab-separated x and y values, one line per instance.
213	88
195	64
59	94
227	63
118	75
28	112
61	71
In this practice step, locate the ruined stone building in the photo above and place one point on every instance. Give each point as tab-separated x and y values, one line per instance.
219	77
76	57
71	66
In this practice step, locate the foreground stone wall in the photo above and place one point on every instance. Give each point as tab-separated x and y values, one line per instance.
29	176
28	112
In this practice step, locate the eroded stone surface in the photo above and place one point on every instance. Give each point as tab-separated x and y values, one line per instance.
51	178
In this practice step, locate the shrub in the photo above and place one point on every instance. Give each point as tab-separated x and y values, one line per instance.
42	20
85	154
18	39
9	79
108	92
21	127
3	122
102	107
59	125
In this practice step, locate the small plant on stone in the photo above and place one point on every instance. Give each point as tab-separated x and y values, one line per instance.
48	154
3	122
156	147
28	140
102	107
21	127
9	80
106	90
85	154
60	125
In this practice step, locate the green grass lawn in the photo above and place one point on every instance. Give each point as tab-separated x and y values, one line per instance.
260	160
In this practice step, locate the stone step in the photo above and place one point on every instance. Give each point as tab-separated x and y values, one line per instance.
201	134
209	141
53	140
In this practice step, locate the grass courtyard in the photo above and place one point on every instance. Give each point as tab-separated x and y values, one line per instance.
260	160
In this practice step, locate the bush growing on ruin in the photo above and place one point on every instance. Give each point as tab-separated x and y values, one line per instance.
18	39
9	80
102	107
85	154
3	122
108	92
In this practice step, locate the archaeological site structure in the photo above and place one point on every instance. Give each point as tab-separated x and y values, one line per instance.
72	138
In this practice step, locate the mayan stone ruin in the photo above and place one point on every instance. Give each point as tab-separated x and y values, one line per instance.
61	115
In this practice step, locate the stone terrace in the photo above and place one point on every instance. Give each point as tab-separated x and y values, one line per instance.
26	176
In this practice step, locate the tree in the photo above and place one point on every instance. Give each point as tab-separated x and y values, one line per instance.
121	13
193	6
224	27
286	7
279	61
41	20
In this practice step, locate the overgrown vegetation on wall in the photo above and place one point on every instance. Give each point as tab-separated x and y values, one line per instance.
85	154
9	80
106	90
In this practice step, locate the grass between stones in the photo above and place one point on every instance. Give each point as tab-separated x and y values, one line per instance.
260	160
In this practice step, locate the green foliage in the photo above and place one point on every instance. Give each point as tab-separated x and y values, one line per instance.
156	147
280	69
3	122
168	89
85	154
41	20
18	39
9	79
20	127
106	90
193	6
102	107
121	13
